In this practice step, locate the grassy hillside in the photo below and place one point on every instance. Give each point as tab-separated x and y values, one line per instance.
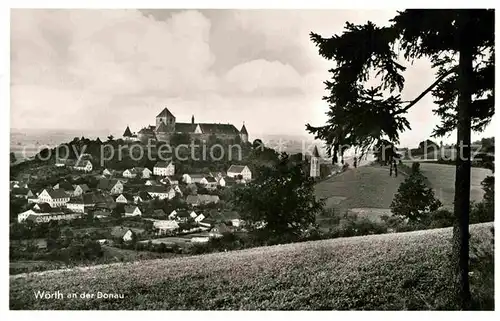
380	272
442	180
366	186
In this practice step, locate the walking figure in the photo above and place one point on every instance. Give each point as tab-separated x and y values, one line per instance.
355	162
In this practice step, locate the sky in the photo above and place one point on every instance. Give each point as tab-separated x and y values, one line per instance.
106	69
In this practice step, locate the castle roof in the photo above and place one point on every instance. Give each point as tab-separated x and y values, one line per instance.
219	129
162	128
127	132
244	130
165	113
185	127
315	152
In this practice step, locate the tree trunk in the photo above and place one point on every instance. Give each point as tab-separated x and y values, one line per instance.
460	255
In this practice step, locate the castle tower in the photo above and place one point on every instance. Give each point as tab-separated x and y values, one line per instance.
167	118
244	134
315	163
192	120
127	135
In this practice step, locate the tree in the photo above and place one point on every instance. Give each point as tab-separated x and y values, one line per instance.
281	198
460	45
414	200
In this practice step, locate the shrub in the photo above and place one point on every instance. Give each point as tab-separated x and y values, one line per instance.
415	167
414	200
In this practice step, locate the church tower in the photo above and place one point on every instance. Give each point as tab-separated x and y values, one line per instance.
244	134
315	163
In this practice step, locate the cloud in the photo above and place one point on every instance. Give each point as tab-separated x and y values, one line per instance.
257	74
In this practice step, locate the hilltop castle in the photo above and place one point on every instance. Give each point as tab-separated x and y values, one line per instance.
166	126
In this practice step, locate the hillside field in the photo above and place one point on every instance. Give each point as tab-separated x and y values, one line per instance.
442	180
404	271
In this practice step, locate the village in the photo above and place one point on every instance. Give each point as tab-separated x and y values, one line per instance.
130	193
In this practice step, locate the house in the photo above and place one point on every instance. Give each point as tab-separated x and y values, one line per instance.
113	186
219	230
193	214
126	234
201	199
64	184
21	217
142	172
210	182
182	216
151	182
41	213
161	192
236	222
81	204
164	226
221	181
217	175
63	162
129	173
22	193
124	198
172	215
54	197
164	169
132	210
169	180
199	218
85	166
56	216
229	181
236	170
143	196
200	239
110	172
80	189
193	178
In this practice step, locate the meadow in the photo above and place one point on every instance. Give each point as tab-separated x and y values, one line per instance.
403	271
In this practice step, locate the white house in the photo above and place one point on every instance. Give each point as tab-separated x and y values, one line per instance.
165	225
242	170
172	215
129	173
193	214
128	236
194	178
81	203
199	218
112	186
45	216
21	217
143	172
221	181
200	239
210	182
236	222
85	166
161	192
53	197
80	189
132	210
124	199
164	169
